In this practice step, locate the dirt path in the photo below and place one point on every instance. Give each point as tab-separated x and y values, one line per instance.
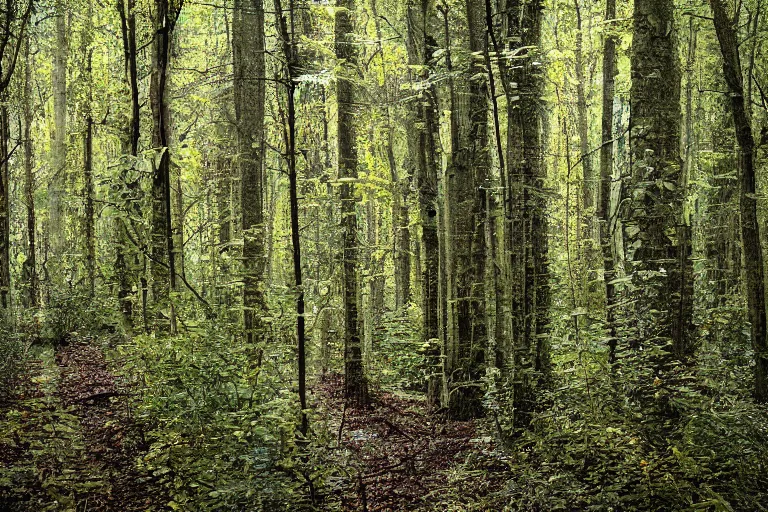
76	442
401	458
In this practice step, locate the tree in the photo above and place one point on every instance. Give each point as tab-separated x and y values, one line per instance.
290	53
750	228
606	176
355	382
30	263
90	220
13	21
657	238
467	182
163	260
525	242
126	254
423	139
59	150
249	91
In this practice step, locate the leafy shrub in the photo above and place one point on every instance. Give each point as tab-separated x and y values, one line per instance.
11	356
596	450
398	354
221	425
73	311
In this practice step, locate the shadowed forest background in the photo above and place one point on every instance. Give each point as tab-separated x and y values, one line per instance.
370	255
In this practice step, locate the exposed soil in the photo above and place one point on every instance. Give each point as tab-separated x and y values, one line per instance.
78	445
401	458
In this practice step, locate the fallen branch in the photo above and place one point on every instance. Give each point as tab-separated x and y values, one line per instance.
103	394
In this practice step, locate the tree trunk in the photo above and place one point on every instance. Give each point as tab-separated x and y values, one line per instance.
424	135
468	181
5	210
750	230
606	175
291	63
526	245
355	382
57	187
127	259
30	264
163	261
588	236
90	220
249	66
400	190
657	239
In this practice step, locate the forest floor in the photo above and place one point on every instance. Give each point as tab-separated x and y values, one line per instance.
402	458
70	437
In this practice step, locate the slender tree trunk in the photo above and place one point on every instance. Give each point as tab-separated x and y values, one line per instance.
57	187
750	230
400	188
127	259
30	263
14	22
163	261
588	236
5	210
355	382
291	62
424	135
90	220
606	175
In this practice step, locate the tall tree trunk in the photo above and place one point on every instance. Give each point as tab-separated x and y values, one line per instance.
355	382
468	181
606	175
588	237
249	65
127	258
291	62
90	220
424	135
658	241
163	261
13	20
401	187
57	188
526	238
30	264
5	210
750	230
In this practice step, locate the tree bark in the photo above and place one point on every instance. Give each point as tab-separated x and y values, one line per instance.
606	176
249	65
424	136
163	261
5	211
58	185
657	238
750	230
127	259
526	244
588	236
467	183
355	382
90	220
30	264
291	62
13	20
